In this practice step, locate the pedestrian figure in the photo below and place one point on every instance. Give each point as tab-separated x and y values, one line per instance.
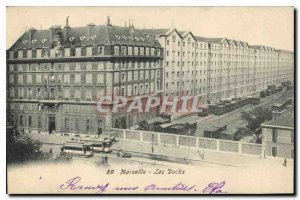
201	154
121	153
284	162
105	158
50	151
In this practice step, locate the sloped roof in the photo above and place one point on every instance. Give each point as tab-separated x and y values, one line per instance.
201	39
255	46
286	120
159	31
215	40
102	35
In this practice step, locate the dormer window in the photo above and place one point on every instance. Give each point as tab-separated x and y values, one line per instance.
71	39
82	38
93	37
33	41
25	41
44	40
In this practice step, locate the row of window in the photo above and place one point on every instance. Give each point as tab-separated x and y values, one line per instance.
135	90
40	93
129	50
66	123
82	66
82	51
79	109
83	78
78	93
38	78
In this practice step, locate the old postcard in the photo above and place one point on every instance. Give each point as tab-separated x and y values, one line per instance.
150	100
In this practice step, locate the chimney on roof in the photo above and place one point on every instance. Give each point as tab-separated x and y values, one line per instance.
31	33
108	21
131	26
89	32
66	30
51	34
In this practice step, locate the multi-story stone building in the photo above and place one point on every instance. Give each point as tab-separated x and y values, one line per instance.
219	68
278	136
56	76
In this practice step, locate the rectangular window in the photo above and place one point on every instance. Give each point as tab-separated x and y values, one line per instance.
29	92
274	135
67	108
67	93
123	50
39	53
89	51
11	54
89	66
77	78
67	52
21	106
20	78
88	94
29	78
12	92
29	121
130	50
274	151
29	53
292	136
100	78
77	94
116	77
88	78
30	106
136	51
38	78
100	92
21	92
116	50
11	78
11	68
142	75
52	53
66	78
78	51
100	50
142	49
292	153
20	53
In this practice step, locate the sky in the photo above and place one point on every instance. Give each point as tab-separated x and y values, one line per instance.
269	26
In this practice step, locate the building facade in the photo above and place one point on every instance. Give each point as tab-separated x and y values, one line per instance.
56	76
219	68
278	136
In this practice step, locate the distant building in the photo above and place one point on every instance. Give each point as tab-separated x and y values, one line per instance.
217	69
278	136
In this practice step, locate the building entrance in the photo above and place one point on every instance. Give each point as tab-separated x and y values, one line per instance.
51	124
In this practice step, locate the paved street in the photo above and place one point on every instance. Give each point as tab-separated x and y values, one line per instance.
210	158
